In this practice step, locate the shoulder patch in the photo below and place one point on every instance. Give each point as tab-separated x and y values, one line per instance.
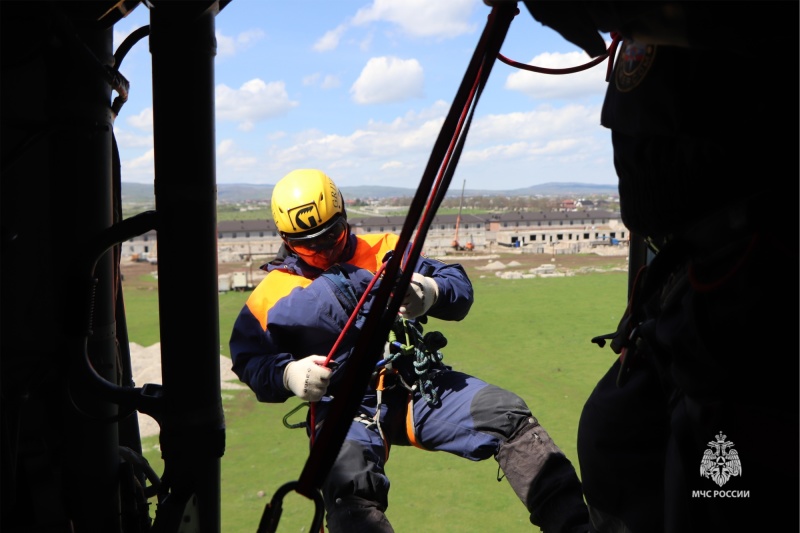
634	62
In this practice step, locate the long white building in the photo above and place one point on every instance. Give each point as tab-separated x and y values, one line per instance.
552	232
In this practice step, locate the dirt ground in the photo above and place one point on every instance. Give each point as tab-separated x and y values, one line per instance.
141	274
477	261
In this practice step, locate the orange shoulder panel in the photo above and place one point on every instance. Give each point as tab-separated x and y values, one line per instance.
369	254
371	249
272	288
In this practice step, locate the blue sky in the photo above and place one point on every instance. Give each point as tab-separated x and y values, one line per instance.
360	88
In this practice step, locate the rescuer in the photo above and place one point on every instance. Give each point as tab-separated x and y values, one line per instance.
701	149
293	319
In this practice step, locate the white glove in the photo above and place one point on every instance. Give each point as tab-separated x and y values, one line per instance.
421	294
307	378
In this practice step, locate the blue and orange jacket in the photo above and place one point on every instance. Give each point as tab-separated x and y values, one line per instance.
296	311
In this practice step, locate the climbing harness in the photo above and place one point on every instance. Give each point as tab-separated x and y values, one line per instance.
424	350
405	341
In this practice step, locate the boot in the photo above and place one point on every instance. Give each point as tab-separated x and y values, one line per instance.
545	480
357	515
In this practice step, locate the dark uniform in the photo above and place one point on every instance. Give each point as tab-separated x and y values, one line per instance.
695	427
298	311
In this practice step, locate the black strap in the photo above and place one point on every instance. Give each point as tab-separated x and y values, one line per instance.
344	289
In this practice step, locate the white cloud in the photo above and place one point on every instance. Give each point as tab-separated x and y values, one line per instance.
330	82
143	161
400	146
421	18
248	38
330	40
585	83
120	35
229	46
126	139
311	79
541	124
382	144
388	79
225	45
238	164
503	151
254	101
142	121
366	43
539	146
416	18
224	147
494	152
233	161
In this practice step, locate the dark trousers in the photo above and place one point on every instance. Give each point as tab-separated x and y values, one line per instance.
473	420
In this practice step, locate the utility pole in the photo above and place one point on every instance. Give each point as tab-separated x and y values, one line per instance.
458	218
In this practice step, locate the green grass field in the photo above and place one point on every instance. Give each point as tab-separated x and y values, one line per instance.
531	336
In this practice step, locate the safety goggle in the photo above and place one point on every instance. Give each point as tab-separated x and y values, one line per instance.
327	240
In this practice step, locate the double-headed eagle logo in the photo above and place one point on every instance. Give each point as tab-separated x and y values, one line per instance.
720	462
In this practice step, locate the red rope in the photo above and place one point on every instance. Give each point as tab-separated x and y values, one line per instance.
612	49
545	70
427	213
713	285
316	465
429	207
450	149
350	321
387	299
355	313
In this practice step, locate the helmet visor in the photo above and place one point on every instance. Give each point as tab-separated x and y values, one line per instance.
330	238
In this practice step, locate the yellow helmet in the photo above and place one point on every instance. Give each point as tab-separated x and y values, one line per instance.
305	203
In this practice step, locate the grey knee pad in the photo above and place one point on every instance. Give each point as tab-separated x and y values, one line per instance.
500	412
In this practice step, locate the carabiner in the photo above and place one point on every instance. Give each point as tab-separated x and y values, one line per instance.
290	413
273	510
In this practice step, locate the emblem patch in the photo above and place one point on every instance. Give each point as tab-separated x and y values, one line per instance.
633	64
720	461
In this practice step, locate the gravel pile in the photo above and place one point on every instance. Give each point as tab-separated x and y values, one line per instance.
494	265
146	367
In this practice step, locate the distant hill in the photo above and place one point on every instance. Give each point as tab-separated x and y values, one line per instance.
563	189
241	192
137	193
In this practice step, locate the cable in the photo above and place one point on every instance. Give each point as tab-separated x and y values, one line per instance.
126	45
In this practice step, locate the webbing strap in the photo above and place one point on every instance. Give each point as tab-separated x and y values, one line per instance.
345	293
411	427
